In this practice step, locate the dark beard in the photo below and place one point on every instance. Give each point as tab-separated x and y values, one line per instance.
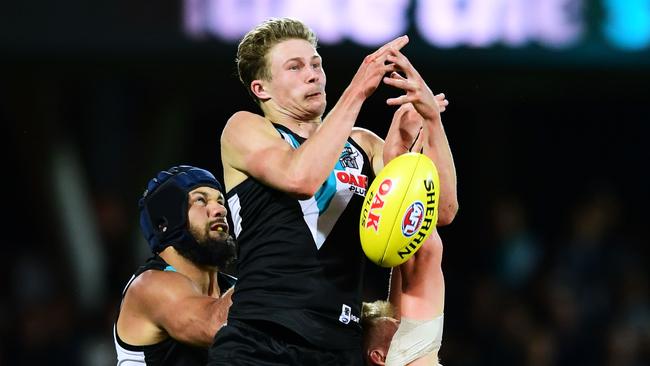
209	252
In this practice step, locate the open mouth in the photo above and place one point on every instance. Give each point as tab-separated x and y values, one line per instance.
219	226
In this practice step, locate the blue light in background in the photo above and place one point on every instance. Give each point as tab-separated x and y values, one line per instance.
627	25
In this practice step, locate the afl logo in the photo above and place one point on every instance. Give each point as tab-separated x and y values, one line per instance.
412	219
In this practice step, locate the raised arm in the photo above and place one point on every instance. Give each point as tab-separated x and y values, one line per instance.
405	130
403	135
418	293
434	140
422	281
254	149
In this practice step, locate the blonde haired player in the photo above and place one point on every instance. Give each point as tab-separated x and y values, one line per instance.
408	330
295	179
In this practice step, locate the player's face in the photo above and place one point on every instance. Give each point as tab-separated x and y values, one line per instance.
207	214
208	225
297	85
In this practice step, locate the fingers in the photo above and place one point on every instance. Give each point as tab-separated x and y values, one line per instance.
405	108
403	63
416	89
401	100
396	44
389	49
442	102
398	81
392	46
397	76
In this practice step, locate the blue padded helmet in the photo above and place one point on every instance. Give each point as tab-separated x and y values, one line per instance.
164	205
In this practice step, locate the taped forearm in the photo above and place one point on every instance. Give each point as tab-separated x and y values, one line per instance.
415	339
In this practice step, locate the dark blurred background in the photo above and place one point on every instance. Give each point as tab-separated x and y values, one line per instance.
546	263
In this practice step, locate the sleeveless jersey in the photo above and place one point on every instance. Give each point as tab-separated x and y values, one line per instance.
168	352
300	262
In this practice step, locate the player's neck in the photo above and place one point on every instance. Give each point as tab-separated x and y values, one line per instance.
302	127
202	276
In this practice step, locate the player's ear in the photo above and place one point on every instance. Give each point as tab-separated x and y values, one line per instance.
259	89
377	357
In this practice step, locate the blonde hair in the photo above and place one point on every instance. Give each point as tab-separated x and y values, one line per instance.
375	317
371	311
252	51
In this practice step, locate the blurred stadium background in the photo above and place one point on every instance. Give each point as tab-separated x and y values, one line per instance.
547	261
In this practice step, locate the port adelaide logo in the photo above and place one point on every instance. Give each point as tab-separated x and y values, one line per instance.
358	183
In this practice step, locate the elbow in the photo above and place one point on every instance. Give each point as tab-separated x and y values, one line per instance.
196	333
214	326
447	213
206	339
430	254
211	332
301	187
297	184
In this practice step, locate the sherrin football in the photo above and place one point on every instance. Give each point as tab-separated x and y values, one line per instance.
400	209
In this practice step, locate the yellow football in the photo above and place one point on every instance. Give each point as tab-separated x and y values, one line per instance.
400	209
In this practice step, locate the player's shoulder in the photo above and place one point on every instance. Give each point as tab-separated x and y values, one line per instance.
363	133
243	118
245	115
155	285
242	123
367	139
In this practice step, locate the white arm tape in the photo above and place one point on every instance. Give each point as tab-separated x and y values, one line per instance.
414	339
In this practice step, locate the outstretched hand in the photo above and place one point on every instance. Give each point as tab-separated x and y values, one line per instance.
376	65
417	91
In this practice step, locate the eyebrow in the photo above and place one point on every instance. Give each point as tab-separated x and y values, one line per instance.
205	195
300	59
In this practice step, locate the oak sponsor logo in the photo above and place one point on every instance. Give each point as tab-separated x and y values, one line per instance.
374	214
358	183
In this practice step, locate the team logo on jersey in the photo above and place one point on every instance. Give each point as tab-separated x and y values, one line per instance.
412	219
349	158
358	183
346	315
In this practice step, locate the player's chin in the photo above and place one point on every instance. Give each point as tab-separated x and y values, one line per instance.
316	109
219	235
